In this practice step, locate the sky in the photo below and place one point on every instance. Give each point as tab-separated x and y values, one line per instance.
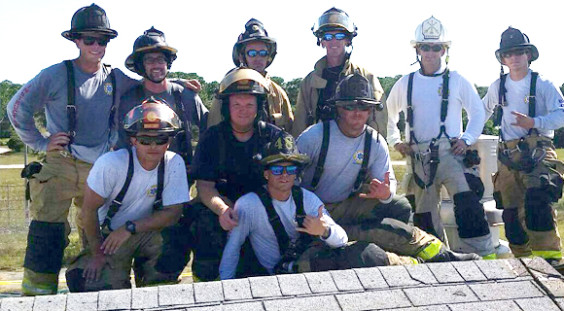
204	33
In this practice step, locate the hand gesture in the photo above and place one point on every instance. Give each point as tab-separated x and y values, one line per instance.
115	240
378	190
228	219
314	225
58	141
93	269
193	84
523	120
404	149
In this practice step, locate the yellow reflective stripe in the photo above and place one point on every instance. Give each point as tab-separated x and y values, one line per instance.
490	256
548	254
415	262
30	289
431	250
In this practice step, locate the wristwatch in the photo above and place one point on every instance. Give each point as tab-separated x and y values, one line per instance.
130	226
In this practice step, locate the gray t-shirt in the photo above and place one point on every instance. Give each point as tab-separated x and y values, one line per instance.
343	161
48	92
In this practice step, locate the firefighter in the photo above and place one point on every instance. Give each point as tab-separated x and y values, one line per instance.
334	32
254	49
130	196
432	99
529	178
351	173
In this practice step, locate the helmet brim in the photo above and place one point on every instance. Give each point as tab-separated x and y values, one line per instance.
534	51
415	43
130	60
300	159
72	34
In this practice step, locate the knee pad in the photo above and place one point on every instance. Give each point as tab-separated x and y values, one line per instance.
475	184
538	210
470	216
424	221
513	229
45	247
411	199
397	227
364	254
498	200
75	281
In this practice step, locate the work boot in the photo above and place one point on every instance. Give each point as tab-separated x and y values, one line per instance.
446	254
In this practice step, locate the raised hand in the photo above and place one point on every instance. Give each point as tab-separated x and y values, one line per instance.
378	189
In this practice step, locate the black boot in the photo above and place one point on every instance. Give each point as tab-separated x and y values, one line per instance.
446	254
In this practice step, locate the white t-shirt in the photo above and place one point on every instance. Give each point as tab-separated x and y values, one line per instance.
426	102
108	175
548	108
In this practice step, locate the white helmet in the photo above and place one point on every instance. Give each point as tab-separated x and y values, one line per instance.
430	31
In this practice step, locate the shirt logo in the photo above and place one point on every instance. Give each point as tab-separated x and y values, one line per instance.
108	88
152	192
358	156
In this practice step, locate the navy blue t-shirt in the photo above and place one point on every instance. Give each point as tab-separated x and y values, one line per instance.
238	174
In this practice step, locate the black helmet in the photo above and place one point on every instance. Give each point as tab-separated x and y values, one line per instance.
282	149
358	89
334	19
254	31
513	38
89	19
152	40
153	115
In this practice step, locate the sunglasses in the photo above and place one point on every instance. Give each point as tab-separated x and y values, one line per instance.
329	36
148	140
103	41
154	60
278	170
427	48
517	52
352	107
254	53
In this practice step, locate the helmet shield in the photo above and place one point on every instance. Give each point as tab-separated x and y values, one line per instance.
282	149
513	38
153	115
254	31
430	31
334	19
357	89
152	40
91	19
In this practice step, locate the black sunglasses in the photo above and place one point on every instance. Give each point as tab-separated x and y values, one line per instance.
427	48
148	140
516	52
103	41
329	36
254	53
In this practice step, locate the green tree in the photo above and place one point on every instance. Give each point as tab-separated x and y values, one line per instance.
292	88
388	82
208	91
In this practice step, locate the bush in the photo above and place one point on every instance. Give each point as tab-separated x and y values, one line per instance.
15	143
559	138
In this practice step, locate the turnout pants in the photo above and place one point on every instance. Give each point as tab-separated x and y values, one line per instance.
386	226
527	198
140	252
473	229
59	183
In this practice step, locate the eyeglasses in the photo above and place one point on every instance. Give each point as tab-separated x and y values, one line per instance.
148	140
103	41
254	53
516	52
279	169
329	36
428	47
154	60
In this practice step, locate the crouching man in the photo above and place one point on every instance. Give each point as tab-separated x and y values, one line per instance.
131	195
288	226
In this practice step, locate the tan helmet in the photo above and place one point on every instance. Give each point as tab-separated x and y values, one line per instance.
243	80
430	30
153	115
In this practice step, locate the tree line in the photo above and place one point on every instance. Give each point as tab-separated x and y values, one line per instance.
207	94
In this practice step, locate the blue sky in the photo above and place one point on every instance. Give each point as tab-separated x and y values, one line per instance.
204	33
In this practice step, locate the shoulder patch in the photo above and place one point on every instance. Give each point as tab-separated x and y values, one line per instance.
152	192
108	88
358	157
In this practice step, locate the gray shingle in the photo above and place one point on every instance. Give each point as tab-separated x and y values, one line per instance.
496	269
265	286
433	308
445	272
17	304
145	298
554	286
540	268
506	290
373	300
422	274
114	299
346	280
424	296
50	303
171	295
397	276
506	305
321	282
537	304
318	303
371	278
293	284
208	292
82	301
469	271
248	306
237	289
